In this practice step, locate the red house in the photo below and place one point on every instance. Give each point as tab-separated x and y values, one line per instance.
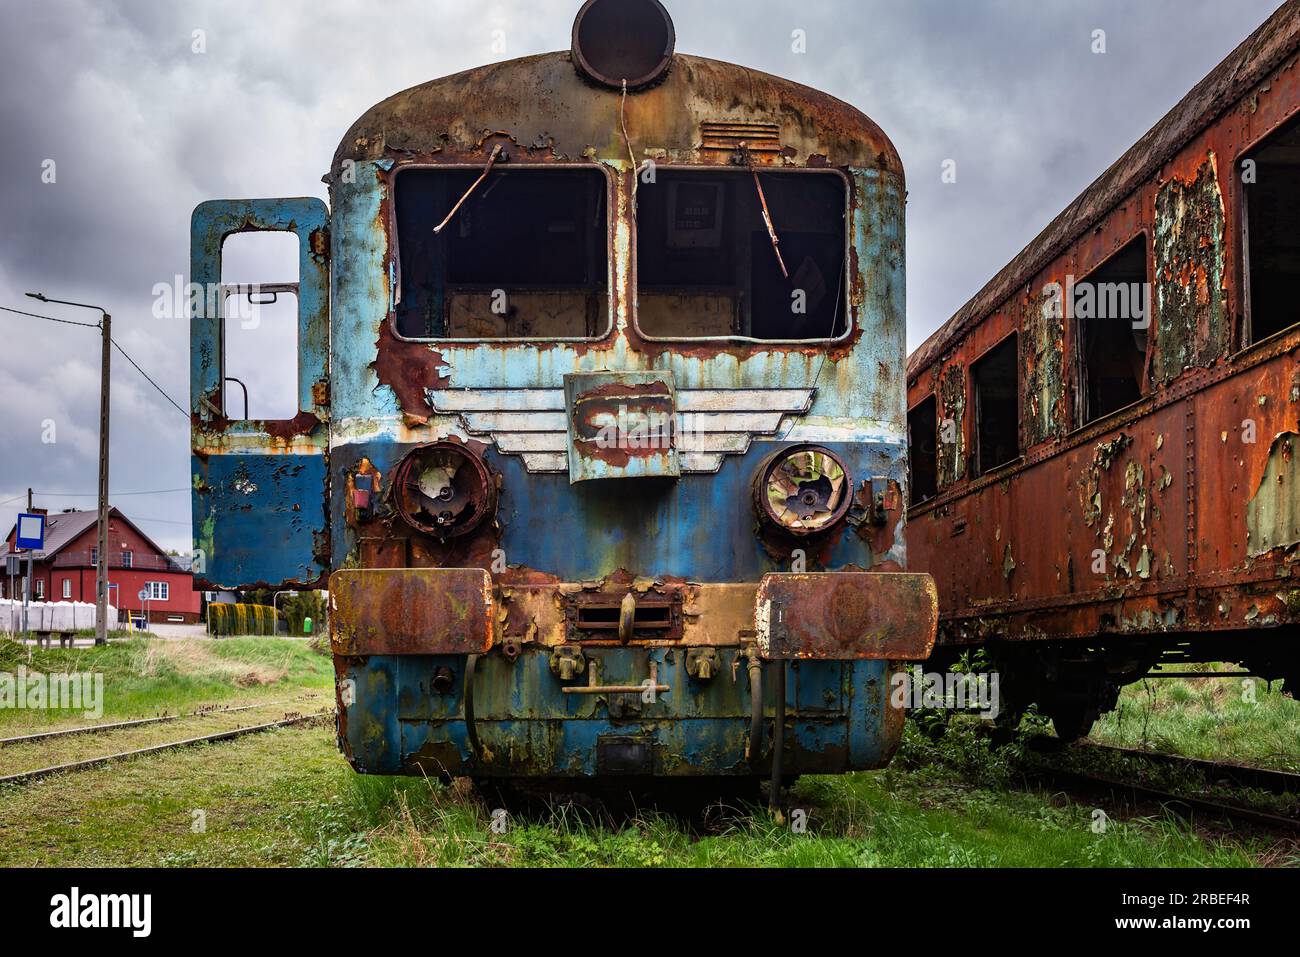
65	570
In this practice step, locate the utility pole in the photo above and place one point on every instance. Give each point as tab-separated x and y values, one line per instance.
101	565
31	571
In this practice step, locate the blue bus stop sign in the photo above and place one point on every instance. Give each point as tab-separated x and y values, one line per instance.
31	532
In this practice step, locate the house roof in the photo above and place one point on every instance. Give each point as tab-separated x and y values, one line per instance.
64	528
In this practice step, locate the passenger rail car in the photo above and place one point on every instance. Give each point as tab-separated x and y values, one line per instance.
1103	438
600	441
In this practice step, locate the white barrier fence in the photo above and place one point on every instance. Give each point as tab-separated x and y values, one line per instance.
51	615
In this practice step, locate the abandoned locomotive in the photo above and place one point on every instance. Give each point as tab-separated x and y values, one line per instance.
600	439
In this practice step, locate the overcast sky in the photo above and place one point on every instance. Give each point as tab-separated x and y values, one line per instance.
141	128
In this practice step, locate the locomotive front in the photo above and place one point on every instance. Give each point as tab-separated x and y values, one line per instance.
600	441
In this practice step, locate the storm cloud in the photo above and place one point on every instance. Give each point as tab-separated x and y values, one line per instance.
140	127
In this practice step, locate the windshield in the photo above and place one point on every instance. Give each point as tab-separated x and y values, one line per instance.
710	263
523	255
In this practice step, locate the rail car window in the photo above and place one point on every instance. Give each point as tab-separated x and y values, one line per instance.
525	255
922	451
997	411
259	340
1273	241
1111	308
707	267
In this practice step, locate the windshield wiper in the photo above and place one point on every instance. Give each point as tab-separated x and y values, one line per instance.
496	150
771	230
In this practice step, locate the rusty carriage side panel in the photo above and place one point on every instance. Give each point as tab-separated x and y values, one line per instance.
1166	520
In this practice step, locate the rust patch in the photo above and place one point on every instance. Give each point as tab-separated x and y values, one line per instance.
285	429
408	611
318	241
409	369
1194	328
1042	344
952	442
614	422
847	615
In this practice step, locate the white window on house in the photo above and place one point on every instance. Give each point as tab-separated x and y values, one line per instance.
158	591
67	588
127	558
94	556
40	588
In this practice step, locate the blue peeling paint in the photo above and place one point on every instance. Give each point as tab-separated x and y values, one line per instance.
530	728
700	527
263	515
259	487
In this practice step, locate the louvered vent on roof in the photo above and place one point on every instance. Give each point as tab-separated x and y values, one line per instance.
729	134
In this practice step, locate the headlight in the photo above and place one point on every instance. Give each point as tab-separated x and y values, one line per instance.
803	490
623	41
444	490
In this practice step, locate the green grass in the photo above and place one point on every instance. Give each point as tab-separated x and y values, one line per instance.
287	798
860	820
144	676
1207	718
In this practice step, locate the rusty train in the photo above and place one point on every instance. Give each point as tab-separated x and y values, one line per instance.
1102	476
600	443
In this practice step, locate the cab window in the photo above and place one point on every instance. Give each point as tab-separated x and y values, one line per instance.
707	266
523	256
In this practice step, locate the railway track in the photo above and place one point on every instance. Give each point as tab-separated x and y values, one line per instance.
24	777
1239	775
1215	774
135	723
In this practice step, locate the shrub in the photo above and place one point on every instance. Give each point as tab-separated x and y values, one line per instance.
229	619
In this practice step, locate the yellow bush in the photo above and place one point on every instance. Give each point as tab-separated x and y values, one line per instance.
228	619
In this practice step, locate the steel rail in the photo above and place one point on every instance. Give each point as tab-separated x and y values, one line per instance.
133	723
1168	799
26	776
1273	780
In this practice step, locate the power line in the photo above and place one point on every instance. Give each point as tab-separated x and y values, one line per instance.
150	381
156	491
66	322
95	325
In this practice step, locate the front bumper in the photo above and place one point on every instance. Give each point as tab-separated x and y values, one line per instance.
444	672
845	616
